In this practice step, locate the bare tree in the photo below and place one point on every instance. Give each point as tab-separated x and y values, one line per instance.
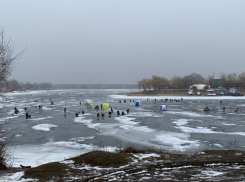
242	78
144	83
7	59
211	80
232	77
13	85
197	78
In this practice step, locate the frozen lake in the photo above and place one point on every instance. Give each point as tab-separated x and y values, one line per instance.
50	135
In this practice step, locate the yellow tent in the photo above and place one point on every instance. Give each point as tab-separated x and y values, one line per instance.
91	105
106	106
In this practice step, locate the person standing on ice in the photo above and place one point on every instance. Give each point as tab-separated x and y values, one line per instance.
65	110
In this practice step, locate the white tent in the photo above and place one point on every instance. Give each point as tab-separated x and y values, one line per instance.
163	108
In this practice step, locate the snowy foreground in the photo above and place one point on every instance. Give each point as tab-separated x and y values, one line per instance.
52	136
159	166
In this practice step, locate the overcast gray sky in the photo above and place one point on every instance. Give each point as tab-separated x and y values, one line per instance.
112	41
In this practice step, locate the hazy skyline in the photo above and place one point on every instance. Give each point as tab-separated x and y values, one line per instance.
106	41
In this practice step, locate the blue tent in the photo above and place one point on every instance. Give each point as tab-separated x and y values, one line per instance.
163	108
137	103
221	88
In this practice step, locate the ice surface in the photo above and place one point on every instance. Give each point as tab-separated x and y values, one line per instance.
38	119
184	127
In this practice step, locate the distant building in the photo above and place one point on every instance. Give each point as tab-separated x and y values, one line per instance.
199	87
215	83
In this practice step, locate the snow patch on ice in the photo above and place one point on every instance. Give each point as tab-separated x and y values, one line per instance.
181	122
44	127
126	120
74	145
212	173
86	122
143	156
179	141
16	177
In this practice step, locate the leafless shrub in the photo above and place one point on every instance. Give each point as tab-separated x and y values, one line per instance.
7	59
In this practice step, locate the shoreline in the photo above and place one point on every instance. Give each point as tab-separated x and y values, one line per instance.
173	93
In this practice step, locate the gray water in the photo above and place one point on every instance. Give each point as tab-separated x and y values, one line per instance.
183	128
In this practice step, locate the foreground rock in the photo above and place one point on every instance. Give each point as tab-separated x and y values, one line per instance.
210	165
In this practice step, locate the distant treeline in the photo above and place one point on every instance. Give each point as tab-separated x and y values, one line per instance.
95	86
14	85
178	82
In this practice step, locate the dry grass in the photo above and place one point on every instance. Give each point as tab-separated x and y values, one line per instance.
101	158
47	171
